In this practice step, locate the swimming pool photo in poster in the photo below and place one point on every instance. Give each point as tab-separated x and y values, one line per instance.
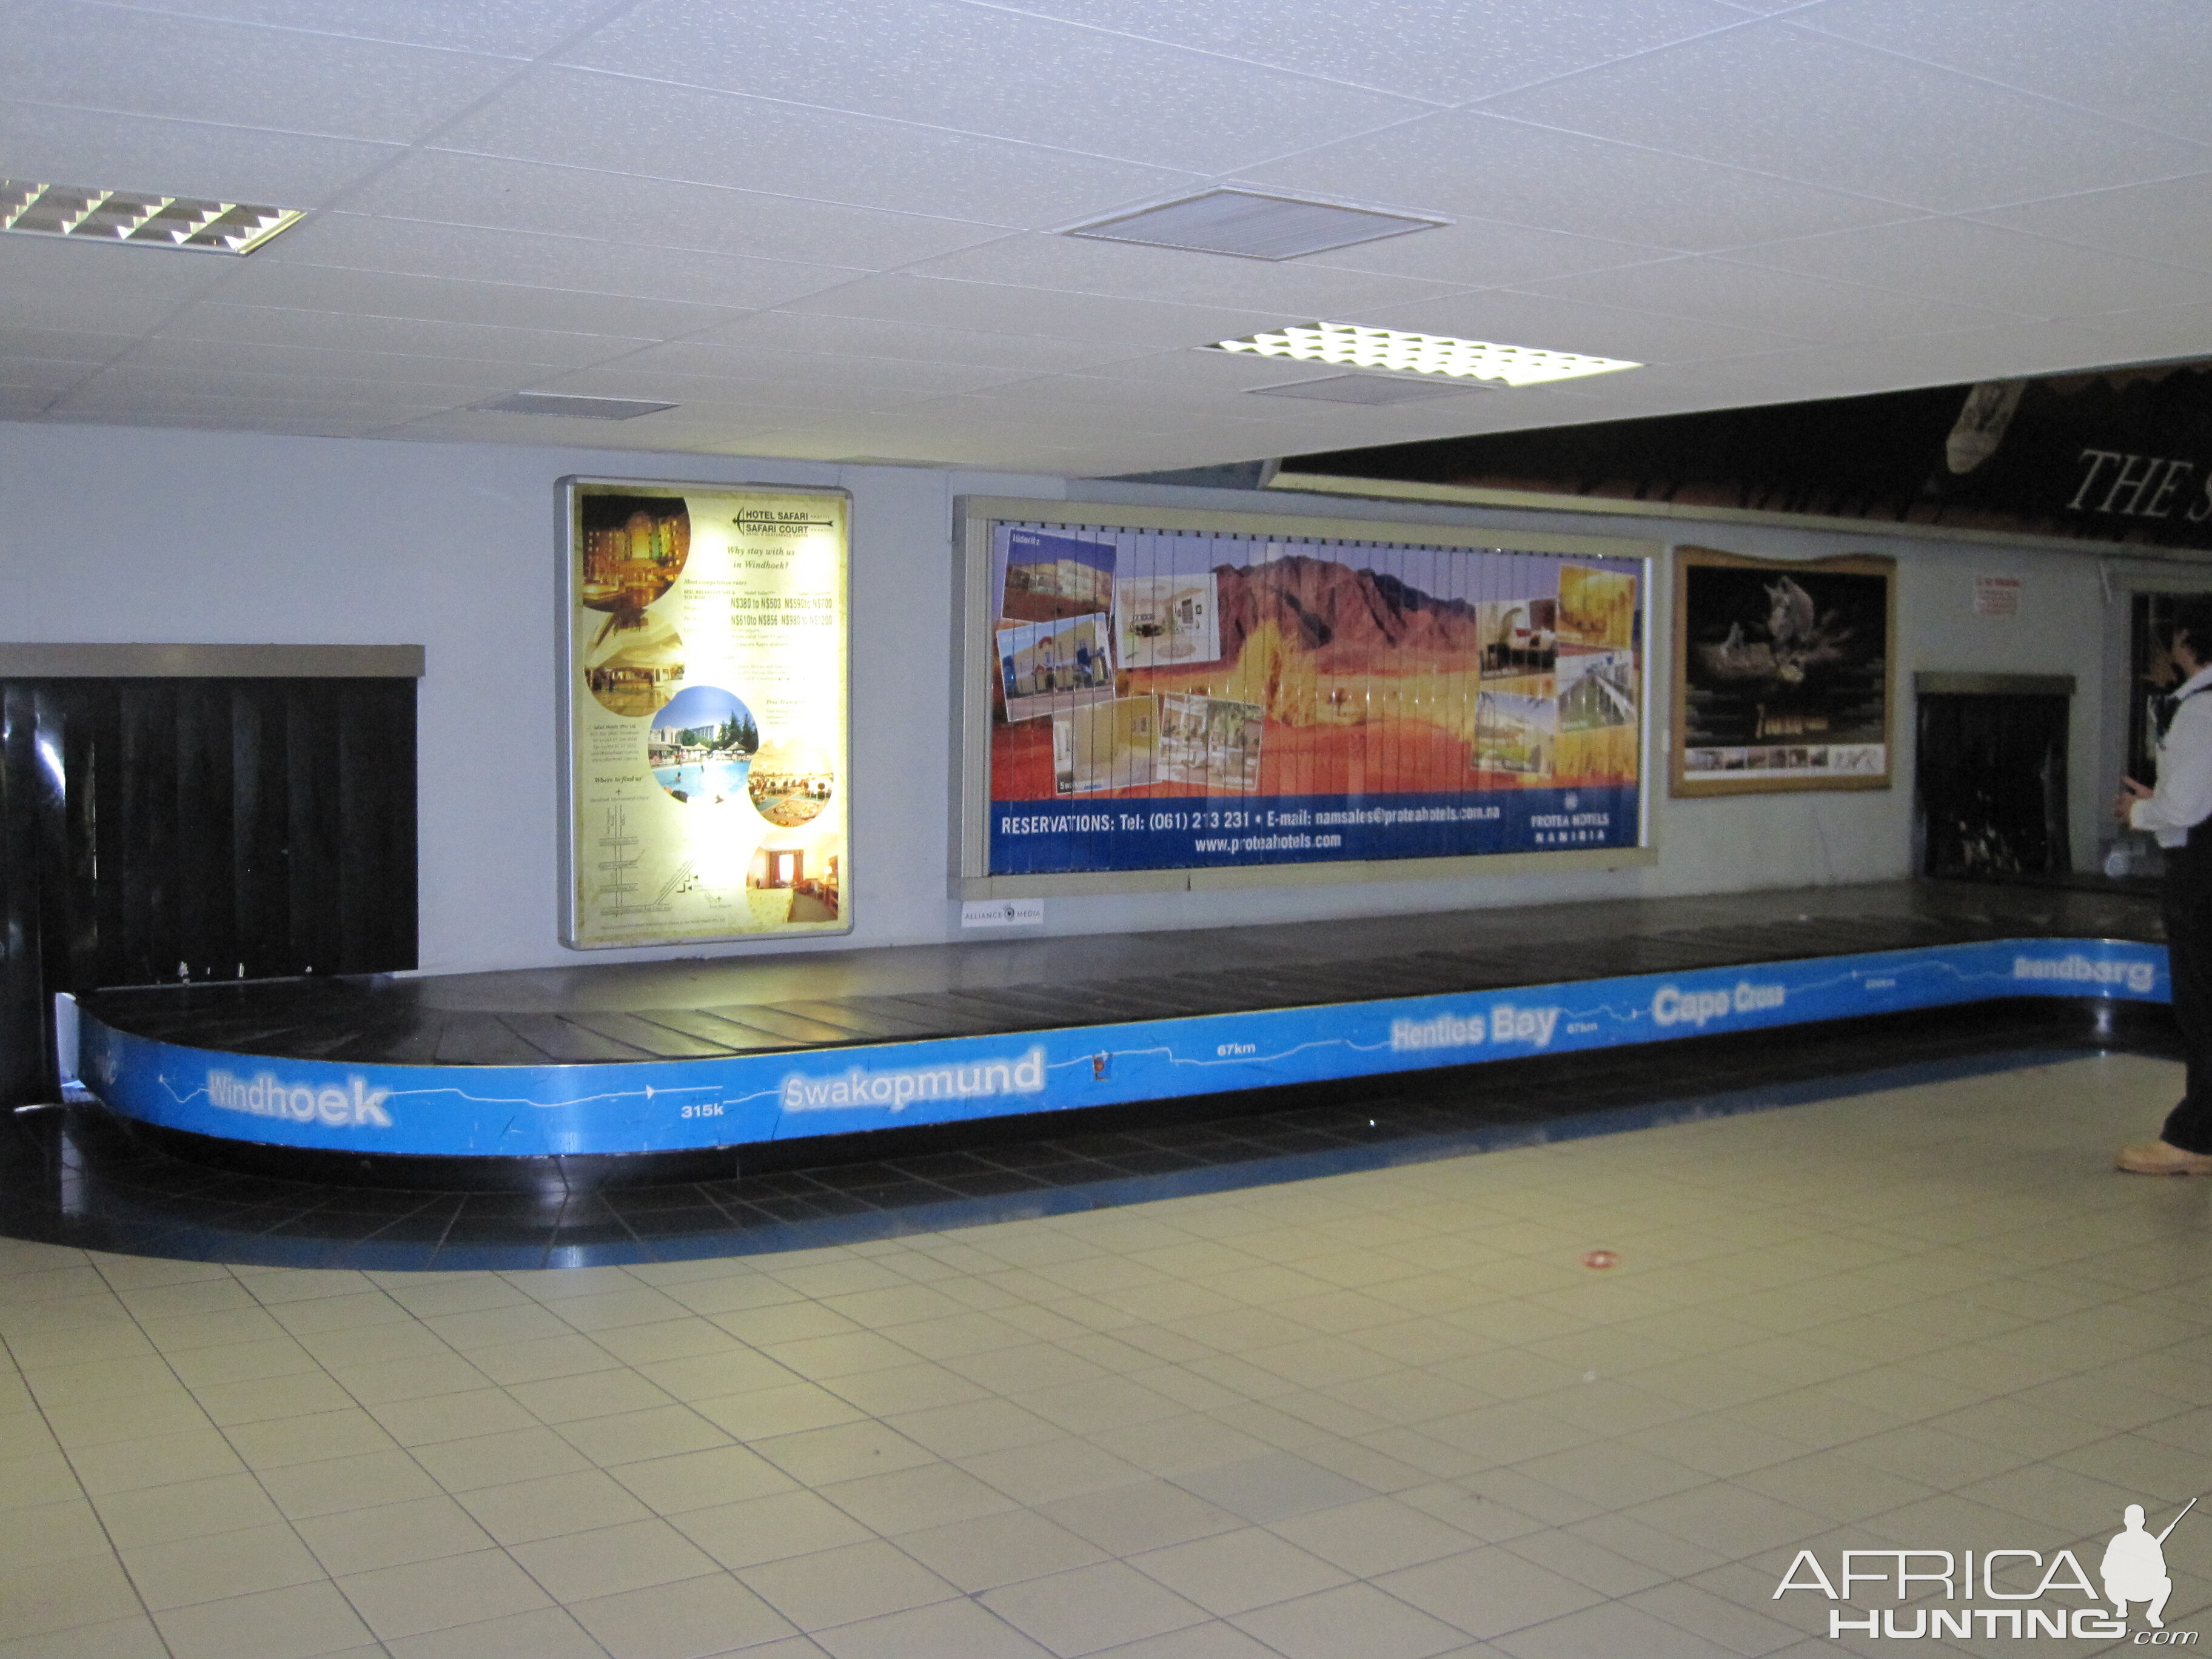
701	744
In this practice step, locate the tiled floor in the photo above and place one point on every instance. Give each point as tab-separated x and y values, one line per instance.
1387	1414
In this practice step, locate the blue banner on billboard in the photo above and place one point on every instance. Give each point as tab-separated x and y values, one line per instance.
1168	832
670	1105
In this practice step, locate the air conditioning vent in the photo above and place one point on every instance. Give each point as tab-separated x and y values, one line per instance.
1252	226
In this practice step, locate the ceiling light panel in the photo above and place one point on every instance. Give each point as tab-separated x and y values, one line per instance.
1389	351
1252	226
139	218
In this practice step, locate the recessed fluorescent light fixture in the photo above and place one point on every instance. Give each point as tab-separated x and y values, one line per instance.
1388	351
1252	226
576	408
139	218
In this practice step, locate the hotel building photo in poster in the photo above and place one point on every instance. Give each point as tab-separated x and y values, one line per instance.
1165	697
706	674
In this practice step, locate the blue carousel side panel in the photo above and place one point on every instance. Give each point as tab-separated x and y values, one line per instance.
535	1111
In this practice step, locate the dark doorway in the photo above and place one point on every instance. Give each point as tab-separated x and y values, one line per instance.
1992	776
166	828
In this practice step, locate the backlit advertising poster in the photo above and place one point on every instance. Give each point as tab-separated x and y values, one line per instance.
1170	699
706	688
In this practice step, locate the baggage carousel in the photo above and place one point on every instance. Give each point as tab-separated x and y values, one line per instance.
554	1117
725	1059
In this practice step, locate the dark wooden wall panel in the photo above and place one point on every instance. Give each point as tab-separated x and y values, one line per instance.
155	828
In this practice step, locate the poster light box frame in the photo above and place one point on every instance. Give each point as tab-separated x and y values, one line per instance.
976	520
569	492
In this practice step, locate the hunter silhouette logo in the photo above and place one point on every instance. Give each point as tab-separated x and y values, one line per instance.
2134	1567
2023	1593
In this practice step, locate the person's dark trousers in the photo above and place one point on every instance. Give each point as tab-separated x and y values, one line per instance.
2188	910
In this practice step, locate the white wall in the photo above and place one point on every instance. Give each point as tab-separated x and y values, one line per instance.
122	534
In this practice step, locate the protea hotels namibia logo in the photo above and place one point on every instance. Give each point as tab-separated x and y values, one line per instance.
2030	1593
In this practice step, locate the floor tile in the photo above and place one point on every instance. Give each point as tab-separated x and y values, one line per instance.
1357	1621
944	1630
435	1595
839	1586
221	1565
392	1534
1087	1608
1236	1571
299	1623
690	1619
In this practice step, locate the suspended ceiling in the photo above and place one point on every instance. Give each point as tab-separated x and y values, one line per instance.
831	228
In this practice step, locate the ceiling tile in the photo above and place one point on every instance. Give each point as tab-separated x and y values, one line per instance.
704	362
698	396
32	267
90	346
1488	253
1807	106
1466	48
404	336
2171	220
1020	311
1205	373
1053	400
286	422
1969	263
507	28
2146	62
1785	303
181	158
619	126
1555	323
2144	336
984	69
112	397
1025	424
268	357
379	293
450	188
147	62
134	379
1480	165
647	432
574	263
1297	289
47	375
1989	354
875	339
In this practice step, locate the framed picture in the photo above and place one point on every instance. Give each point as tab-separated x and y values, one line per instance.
1782	672
705	775
1160	699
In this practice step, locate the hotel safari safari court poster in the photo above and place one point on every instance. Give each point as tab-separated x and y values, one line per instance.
706	692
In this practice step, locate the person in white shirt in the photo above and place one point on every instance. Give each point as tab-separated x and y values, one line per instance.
2178	812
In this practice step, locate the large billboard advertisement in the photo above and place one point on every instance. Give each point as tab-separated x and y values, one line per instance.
1187	699
705	682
